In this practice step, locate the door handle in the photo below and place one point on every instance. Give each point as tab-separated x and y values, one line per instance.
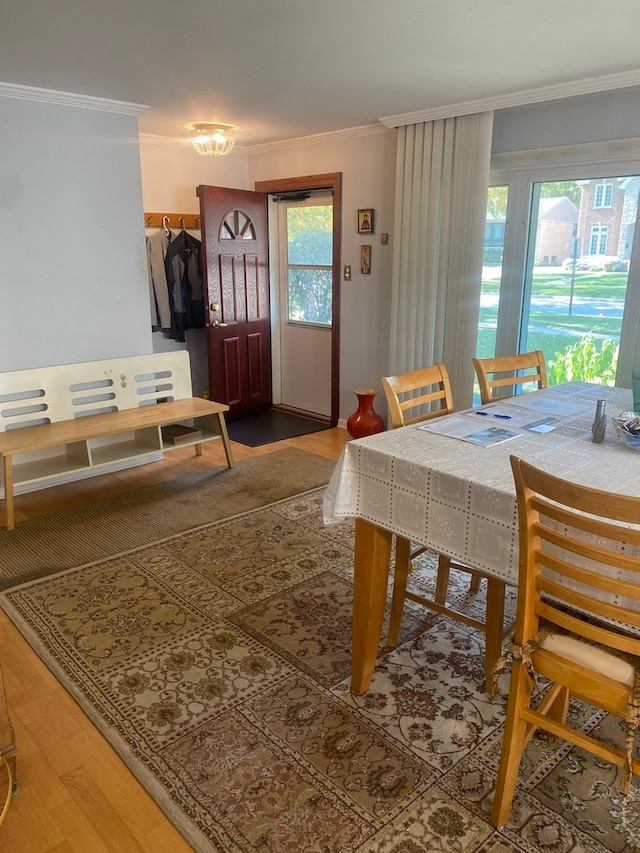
217	323
214	306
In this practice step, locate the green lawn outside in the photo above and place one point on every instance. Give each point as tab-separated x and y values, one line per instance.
611	285
554	331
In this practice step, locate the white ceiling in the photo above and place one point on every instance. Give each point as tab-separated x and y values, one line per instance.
281	69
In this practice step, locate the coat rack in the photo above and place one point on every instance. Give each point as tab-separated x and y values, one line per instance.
188	221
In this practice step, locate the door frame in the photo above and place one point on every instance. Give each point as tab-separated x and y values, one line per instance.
332	181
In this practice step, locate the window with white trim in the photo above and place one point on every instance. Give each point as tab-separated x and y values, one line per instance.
598	240
603	195
575	307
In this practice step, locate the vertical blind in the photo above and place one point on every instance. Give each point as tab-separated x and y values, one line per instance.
442	176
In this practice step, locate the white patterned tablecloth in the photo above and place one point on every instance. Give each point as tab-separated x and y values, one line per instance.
458	497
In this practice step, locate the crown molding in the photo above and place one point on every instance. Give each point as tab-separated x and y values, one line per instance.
318	138
315	139
588	86
166	141
68	99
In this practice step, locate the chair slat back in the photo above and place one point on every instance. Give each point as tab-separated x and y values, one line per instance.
579	559
503	375
418	395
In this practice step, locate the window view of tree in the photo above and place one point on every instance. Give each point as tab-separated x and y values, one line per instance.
497	204
309	263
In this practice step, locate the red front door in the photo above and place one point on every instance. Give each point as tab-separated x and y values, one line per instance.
236	285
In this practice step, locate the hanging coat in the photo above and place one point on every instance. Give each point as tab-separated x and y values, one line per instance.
157	243
183	267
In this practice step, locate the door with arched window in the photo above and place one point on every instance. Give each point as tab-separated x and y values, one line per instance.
236	271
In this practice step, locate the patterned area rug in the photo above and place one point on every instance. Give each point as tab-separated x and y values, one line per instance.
77	535
217	664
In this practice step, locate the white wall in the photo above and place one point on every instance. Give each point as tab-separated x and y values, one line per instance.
171	171
74	281
591	118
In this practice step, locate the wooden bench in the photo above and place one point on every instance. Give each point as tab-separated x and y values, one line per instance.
71	421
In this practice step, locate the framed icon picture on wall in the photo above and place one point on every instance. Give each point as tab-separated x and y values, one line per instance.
365	221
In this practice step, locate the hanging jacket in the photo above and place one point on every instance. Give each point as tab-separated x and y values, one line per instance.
157	243
183	268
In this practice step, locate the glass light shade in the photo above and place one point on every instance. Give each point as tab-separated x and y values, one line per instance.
213	139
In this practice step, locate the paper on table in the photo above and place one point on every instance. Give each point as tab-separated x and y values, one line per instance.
491	435
461	428
547	406
542	425
514	416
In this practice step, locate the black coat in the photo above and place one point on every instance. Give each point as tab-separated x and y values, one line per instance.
183	267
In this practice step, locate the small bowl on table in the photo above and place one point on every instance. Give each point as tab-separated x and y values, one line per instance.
627	426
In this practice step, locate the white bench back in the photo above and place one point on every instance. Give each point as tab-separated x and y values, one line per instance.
67	391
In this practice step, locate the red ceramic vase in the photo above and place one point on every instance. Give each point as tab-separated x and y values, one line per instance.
365	420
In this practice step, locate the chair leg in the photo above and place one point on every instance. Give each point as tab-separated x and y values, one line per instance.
400	576
512	745
494	627
474	585
442	578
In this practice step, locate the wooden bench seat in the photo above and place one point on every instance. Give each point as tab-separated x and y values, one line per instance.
116	411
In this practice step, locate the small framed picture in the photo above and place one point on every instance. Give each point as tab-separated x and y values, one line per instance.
365	221
365	260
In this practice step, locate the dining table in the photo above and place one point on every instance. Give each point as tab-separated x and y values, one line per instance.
447	484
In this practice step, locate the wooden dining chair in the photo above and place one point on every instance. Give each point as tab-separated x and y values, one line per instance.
502	376
412	397
418	395
577	622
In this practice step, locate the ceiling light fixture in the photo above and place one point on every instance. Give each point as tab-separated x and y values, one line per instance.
213	138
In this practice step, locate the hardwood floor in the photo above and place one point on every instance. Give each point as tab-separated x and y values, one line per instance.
75	793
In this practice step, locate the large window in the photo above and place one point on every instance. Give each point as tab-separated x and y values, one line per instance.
565	280
574	308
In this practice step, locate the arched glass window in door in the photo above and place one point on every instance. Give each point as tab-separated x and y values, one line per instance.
237	226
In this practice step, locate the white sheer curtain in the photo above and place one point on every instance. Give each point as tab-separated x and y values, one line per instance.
442	177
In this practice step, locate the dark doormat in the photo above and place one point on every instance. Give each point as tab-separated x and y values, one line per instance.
269	426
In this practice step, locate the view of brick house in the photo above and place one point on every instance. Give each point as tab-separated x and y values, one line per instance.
604	223
557	225
601	209
631	187
602	226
